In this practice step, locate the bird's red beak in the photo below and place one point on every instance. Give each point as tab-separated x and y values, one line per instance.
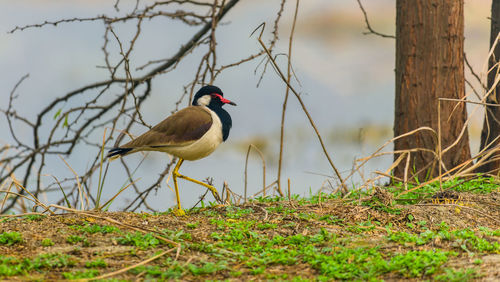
224	100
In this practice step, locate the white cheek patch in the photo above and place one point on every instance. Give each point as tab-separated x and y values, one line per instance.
204	100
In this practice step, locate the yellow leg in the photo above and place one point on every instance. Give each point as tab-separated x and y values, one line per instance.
179	211
176	174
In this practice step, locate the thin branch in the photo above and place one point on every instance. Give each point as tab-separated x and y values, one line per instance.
311	121
368	26
285	102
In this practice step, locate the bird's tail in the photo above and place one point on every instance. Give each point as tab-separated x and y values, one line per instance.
118	152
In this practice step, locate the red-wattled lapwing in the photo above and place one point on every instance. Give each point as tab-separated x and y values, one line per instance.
189	134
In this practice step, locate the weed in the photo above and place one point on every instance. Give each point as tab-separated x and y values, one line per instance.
53	260
344	263
331	219
34	217
10	266
143	241
210	213
361	227
281	209
307	216
263	226
95	228
481	185
242	247
422	223
10	238
88	273
271	199
172	270
73	239
466	238
47	242
486	231
176	235
207	267
236	212
420	239
375	203
457	275
96	263
235	273
202	247
419	263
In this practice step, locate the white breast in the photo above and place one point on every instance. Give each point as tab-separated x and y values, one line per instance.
203	146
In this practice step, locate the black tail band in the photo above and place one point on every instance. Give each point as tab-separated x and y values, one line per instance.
118	152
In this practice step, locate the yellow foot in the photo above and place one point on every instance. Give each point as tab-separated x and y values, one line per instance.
216	195
179	212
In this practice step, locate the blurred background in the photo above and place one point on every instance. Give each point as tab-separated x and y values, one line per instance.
346	81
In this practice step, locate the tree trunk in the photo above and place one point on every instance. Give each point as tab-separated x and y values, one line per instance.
429	65
491	125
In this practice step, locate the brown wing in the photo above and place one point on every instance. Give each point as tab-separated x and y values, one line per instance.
181	128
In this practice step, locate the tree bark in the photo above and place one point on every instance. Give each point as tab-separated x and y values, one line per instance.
491	125
429	65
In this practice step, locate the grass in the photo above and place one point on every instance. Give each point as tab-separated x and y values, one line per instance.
320	237
478	185
88	273
466	239
98	263
47	242
95	228
10	238
137	239
458	275
10	266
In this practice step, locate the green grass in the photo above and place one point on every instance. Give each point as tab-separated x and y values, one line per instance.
331	219
10	266
457	275
47	242
295	242
280	208
174	270
481	185
98	263
192	225
10	238
169	269
466	239
95	228
88	273
34	217
237	212
137	239
73	239
322	251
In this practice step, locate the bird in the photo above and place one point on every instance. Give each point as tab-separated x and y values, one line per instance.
189	134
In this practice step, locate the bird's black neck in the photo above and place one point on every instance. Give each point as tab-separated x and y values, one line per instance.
225	119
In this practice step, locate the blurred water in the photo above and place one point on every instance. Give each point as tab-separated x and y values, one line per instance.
346	81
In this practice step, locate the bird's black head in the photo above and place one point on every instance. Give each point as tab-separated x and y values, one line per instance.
210	96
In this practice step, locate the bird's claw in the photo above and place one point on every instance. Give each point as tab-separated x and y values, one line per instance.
179	212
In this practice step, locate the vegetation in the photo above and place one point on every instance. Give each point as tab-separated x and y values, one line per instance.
370	235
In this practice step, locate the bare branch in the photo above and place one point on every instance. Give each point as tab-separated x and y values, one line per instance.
368	26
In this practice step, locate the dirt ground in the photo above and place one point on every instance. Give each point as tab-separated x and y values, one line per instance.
357	223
